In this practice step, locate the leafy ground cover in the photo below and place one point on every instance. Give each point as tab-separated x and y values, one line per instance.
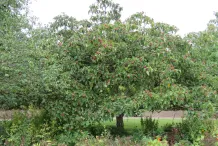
167	131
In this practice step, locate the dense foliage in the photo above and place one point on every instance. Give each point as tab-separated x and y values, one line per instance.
18	75
79	72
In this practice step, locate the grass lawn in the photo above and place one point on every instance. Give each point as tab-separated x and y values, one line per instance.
131	124
134	123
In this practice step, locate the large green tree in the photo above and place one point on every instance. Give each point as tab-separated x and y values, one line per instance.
112	67
22	52
12	48
205	52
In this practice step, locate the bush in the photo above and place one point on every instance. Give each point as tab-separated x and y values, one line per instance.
149	126
18	130
3	133
138	135
194	129
168	127
27	129
114	131
96	130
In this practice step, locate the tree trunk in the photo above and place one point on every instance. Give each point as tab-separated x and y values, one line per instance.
120	123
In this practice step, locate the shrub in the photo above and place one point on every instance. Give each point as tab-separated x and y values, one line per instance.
96	130
138	135
18	131
195	129
114	131
3	133
149	126
27	128
171	132
168	127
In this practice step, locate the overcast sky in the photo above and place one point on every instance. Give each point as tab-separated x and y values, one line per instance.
187	15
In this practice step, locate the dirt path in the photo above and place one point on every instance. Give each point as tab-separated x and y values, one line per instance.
164	114
6	114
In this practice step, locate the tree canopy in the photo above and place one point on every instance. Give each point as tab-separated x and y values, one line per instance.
83	71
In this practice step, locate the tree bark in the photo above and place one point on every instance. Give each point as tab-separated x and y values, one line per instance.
120	123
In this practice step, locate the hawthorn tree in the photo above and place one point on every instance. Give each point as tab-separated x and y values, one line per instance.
110	67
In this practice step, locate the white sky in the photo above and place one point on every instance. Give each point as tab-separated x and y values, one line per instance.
187	15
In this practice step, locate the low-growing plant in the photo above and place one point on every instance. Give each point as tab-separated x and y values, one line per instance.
71	138
137	135
115	131
209	139
183	143
121	141
195	129
96	130
3	133
168	127
149	126
171	132
17	130
26	128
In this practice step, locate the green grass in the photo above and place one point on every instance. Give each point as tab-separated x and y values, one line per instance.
131	124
